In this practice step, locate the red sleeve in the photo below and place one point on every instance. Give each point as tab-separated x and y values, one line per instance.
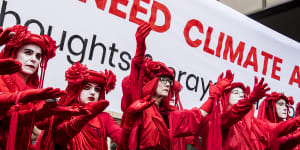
291	141
68	129
113	130
7	99
132	85
186	122
43	124
286	127
235	113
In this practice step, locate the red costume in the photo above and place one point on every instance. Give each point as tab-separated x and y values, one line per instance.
88	131
267	112
156	128
23	106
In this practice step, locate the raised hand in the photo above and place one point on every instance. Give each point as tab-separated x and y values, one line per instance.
135	108
96	107
224	82
9	66
5	35
40	94
259	90
141	34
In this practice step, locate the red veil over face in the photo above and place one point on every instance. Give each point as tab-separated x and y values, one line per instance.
267	109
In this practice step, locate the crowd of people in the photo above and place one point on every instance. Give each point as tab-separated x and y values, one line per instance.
36	118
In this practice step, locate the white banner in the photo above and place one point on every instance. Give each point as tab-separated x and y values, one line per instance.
198	38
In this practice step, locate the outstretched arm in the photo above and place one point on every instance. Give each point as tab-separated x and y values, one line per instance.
215	91
291	141
131	85
141	34
286	127
67	130
186	122
240	109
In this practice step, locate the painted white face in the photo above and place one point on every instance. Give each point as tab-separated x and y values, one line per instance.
236	95
90	93
30	57
163	86
281	108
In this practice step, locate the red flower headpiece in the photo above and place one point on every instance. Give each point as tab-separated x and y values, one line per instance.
156	69
274	96
23	36
76	73
267	109
79	73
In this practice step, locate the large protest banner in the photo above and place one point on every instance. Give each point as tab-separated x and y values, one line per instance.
199	39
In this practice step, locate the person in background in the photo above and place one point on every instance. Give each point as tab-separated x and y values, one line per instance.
274	109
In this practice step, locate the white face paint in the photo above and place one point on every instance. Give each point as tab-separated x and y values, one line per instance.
90	93
163	86
236	95
30	57
281	108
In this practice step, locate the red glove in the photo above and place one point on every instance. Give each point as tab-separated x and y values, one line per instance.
141	34
9	66
67	130
62	113
5	35
214	92
222	83
46	109
97	107
134	109
8	99
259	90
40	94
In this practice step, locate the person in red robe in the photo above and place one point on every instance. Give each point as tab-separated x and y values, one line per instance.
274	109
239	128
22	104
87	89
162	126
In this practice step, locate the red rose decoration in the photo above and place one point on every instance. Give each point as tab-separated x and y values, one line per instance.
50	46
21	34
111	81
76	74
